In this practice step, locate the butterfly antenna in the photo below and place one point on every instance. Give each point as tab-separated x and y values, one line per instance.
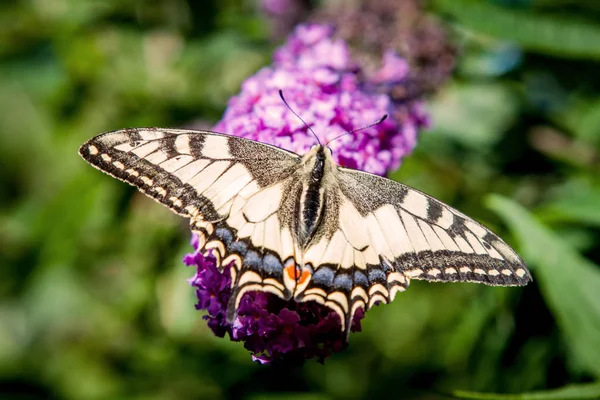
380	120
296	114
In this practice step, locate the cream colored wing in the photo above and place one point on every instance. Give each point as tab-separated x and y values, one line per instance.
377	234
195	173
237	193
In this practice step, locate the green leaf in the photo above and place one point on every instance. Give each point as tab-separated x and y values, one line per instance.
582	118
580	207
582	391
547	34
569	282
475	115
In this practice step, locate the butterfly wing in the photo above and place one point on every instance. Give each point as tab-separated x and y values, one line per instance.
195	173
377	234
238	194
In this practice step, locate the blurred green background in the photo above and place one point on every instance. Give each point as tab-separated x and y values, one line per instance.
94	302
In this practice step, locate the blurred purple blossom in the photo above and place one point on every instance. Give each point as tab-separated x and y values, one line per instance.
283	14
331	92
375	27
270	328
394	69
277	7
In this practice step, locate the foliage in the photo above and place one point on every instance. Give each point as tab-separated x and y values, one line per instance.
94	301
581	391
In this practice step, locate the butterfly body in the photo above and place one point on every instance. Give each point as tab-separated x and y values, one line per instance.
302	227
318	165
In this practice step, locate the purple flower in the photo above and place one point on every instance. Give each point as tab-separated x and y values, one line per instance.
334	95
277	7
393	69
270	328
376	26
329	90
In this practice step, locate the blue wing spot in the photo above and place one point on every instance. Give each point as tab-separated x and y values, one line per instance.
272	266
239	247
323	276
376	276
225	235
360	279
343	281
253	260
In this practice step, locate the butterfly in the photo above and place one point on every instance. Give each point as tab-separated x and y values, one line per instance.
300	226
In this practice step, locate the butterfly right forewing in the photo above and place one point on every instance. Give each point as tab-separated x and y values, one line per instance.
178	167
441	243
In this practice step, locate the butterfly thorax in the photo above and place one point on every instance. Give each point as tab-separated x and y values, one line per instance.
319	168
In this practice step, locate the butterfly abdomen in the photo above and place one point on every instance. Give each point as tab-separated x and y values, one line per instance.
311	202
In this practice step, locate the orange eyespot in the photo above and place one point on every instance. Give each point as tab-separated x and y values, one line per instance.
292	271
304	277
296	274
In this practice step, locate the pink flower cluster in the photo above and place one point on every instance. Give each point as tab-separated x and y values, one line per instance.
270	328
331	93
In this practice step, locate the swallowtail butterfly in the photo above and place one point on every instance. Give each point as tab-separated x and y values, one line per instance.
300	226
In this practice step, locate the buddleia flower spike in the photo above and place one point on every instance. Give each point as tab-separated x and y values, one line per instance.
328	94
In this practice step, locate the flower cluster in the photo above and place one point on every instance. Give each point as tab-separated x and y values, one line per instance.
271	328
328	89
334	96
375	26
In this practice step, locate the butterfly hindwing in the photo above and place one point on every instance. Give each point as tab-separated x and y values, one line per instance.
257	239
347	261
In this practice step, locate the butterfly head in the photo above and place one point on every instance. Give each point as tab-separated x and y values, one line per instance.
319	159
